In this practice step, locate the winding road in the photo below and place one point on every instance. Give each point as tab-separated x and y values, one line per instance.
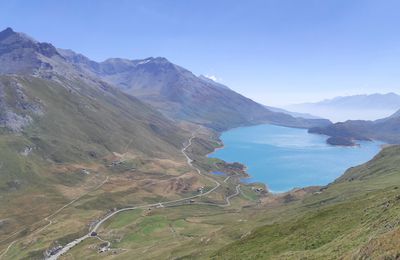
75	242
48	219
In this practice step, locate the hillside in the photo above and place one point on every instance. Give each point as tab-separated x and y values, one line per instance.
345	133
179	94
40	87
356	217
60	131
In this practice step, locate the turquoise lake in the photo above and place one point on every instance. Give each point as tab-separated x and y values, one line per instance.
285	158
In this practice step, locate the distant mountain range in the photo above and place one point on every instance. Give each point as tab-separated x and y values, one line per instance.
179	94
294	114
365	107
376	101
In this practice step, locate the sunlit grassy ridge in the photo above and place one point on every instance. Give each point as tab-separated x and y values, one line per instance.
355	217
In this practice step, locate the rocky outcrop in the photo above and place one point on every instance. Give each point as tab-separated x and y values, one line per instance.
16	109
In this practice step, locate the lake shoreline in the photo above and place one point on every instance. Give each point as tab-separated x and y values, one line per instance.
362	154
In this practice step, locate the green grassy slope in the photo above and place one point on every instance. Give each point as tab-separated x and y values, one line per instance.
79	123
88	117
81	126
356	217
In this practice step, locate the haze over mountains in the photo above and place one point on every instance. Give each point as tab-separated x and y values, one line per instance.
357	107
294	114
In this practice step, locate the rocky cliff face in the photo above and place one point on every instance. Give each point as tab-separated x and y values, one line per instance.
21	54
16	109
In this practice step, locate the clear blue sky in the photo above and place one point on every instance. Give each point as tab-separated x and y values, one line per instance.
276	52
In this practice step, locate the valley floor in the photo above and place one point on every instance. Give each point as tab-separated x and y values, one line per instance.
207	193
177	210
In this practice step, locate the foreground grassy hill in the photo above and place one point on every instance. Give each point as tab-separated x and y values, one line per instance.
356	217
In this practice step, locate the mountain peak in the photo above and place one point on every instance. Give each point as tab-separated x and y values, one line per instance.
153	60
7	30
22	54
6	33
160	59
12	36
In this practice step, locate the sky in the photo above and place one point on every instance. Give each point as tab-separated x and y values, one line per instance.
276	52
